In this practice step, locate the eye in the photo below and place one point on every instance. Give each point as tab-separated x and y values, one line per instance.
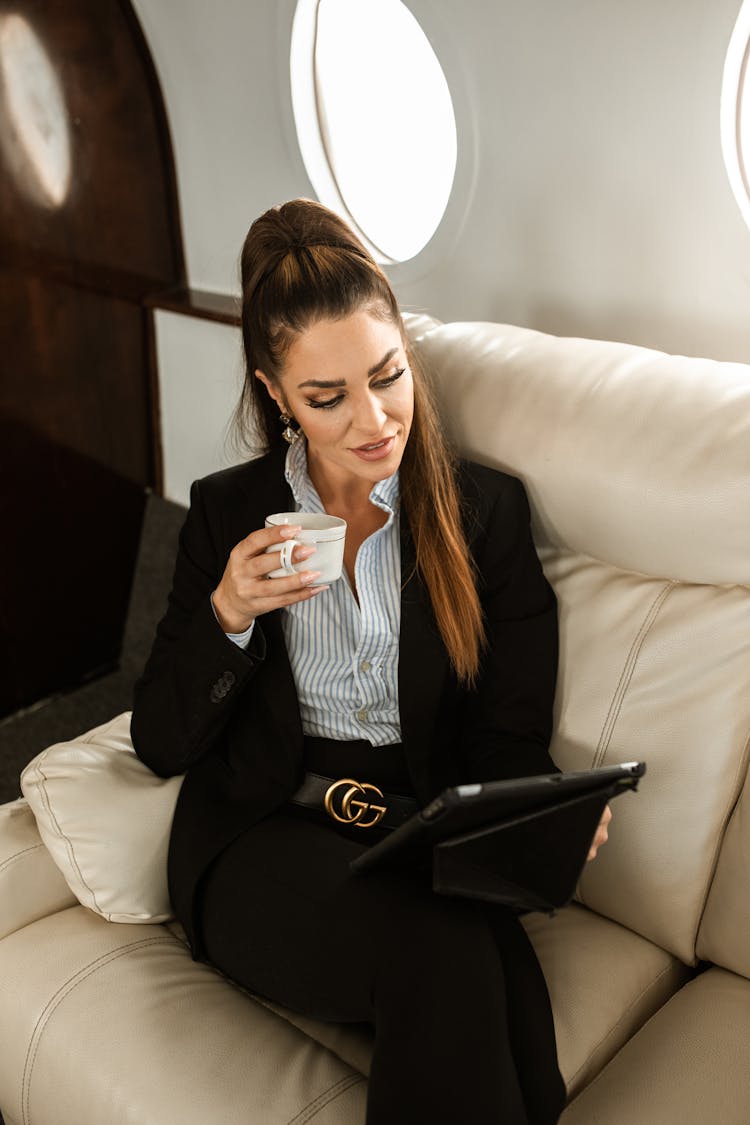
391	379
327	404
331	403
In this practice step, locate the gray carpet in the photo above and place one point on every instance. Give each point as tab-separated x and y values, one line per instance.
65	716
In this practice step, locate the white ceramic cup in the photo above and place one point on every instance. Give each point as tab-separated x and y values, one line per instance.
325	533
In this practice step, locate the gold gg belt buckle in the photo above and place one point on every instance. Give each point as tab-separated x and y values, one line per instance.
348	803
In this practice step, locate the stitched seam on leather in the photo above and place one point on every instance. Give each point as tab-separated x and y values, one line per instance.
324	1099
68	843
742	768
19	855
627	674
62	993
608	1034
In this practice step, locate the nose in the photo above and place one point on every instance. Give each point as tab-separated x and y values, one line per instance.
368	418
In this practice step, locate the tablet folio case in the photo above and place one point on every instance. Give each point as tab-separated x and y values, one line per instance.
530	862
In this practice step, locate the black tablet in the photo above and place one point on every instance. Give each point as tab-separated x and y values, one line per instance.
467	808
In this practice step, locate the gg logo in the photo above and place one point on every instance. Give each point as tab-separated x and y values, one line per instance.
349	805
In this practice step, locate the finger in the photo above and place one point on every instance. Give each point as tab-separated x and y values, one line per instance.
255	591
268	592
266	587
264	564
261	595
293	598
600	838
248	572
264	537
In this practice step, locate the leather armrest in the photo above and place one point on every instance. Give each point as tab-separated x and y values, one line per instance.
31	887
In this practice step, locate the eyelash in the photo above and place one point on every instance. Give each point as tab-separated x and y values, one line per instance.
330	403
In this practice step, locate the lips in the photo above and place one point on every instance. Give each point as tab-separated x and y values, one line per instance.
372	445
375	450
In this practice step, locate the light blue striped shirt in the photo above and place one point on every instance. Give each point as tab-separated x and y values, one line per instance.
344	656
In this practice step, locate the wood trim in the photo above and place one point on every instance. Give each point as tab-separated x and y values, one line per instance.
120	283
197	303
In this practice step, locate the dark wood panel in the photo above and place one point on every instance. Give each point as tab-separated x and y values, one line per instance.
71	532
76	371
84	97
89	227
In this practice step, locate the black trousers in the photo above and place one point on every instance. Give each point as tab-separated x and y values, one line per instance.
453	988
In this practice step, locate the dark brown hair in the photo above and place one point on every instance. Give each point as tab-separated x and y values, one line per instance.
300	264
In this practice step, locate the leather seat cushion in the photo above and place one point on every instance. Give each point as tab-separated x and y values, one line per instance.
604	982
71	975
111	1023
30	884
724	936
689	1065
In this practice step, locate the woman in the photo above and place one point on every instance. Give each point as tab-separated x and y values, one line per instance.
431	662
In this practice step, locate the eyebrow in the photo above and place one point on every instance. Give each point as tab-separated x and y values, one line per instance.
328	383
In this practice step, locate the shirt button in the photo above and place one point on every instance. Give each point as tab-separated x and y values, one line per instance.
361	715
365	666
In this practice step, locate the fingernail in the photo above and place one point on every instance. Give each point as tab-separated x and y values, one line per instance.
319	590
290	532
309	576
304	552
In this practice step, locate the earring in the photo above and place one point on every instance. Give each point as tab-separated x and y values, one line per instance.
289	434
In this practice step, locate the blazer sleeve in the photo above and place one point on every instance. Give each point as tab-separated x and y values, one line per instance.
195	675
508	717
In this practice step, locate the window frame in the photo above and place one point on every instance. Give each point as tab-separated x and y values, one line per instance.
735	111
307	137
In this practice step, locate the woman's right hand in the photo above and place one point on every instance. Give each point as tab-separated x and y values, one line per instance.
245	591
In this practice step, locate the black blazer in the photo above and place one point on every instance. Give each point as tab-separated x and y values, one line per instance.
229	717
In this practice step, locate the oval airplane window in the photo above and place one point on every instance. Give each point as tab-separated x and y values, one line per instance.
735	111
374	120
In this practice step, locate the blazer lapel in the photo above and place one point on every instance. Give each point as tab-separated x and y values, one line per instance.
422	669
274	679
277	682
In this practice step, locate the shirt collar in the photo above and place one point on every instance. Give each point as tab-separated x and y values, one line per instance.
385	493
295	471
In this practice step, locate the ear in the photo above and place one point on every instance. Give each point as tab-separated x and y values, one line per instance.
272	389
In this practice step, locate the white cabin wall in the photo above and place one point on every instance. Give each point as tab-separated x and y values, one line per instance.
592	198
602	206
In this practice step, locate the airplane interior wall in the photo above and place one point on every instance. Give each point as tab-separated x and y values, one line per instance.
591	197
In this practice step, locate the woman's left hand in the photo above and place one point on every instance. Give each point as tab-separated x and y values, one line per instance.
601	833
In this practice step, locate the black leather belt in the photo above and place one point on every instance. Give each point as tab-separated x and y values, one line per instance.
354	802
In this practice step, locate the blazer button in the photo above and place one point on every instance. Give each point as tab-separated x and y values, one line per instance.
222	686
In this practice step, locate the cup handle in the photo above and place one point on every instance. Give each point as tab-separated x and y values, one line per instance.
285	555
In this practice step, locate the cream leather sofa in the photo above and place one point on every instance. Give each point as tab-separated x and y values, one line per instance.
637	465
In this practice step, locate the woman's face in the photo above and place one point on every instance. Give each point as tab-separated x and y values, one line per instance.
348	385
